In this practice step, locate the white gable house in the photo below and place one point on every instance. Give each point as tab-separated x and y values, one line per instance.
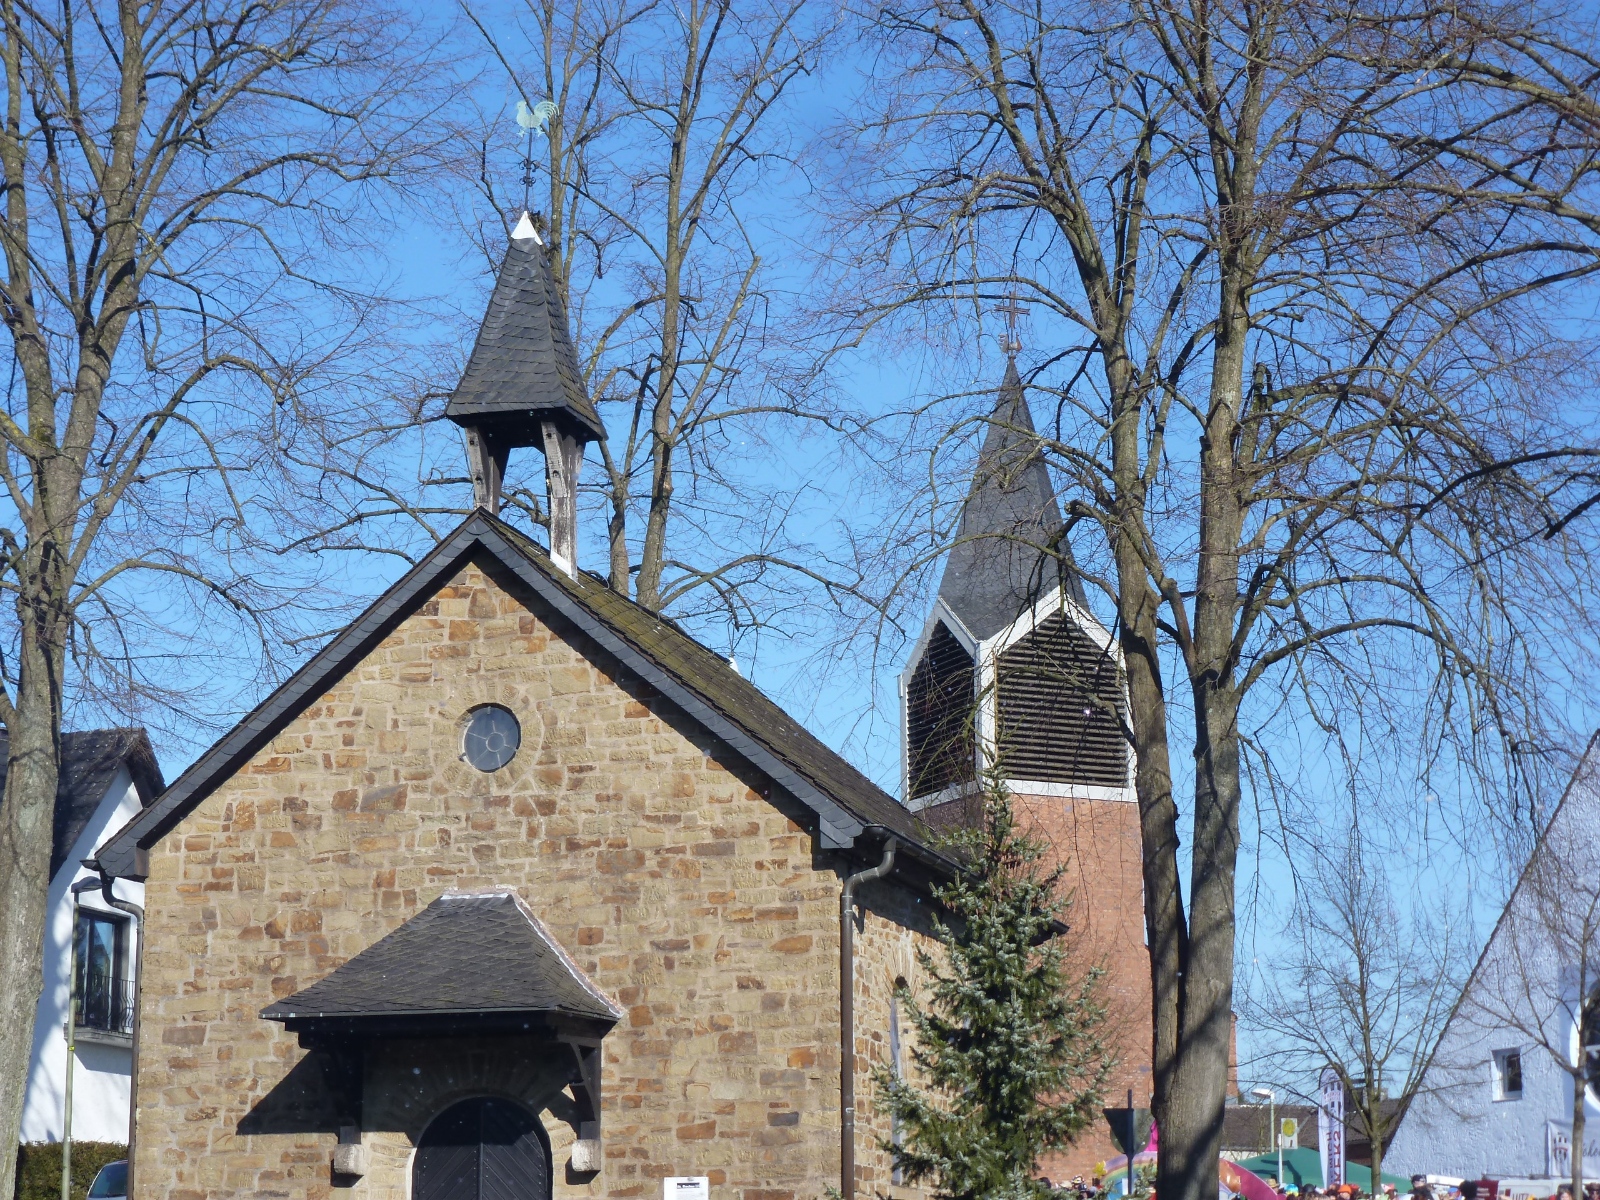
107	777
1497	1099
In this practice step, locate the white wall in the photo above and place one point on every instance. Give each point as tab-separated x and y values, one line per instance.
1458	1128
101	1074
1524	994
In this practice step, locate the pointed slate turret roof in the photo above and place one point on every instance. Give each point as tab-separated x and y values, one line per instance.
474	953
523	364
1000	566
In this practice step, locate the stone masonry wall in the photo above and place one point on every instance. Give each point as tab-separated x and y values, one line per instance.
686	896
893	925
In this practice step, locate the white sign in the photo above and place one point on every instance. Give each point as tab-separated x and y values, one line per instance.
1558	1151
686	1187
1330	1128
1288	1134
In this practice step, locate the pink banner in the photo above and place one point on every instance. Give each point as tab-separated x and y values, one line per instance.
1244	1183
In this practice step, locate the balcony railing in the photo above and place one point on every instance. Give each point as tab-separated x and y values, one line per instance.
104	1003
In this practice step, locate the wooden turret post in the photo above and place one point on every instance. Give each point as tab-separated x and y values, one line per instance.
563	458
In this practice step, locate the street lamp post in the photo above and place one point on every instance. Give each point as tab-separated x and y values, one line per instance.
1271	1097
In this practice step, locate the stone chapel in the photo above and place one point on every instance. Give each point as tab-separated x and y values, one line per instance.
516	891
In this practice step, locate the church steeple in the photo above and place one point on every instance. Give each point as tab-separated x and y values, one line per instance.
523	387
1012	669
1008	549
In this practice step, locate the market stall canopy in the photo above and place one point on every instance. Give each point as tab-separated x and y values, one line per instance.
1304	1166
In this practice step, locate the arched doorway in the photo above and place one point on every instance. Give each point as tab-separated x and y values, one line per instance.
485	1148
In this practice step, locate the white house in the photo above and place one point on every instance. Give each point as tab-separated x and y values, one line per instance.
1496	1101
107	776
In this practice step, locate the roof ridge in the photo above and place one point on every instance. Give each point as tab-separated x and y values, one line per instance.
687	674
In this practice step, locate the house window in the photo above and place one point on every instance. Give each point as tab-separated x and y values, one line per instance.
102	992
1508	1074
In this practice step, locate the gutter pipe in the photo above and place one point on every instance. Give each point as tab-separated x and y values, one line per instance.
847	1017
137	913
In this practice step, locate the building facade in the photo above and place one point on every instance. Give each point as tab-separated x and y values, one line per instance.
1497	1097
517	891
1013	678
107	777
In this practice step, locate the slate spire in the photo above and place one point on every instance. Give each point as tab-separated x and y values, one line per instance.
523	387
1006	553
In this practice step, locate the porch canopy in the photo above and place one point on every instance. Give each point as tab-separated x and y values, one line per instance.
469	963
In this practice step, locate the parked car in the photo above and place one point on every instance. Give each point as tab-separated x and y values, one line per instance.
112	1182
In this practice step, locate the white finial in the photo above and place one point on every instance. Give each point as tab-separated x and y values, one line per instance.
525	230
734	664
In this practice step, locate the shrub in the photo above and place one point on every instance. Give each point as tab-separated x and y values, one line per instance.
39	1167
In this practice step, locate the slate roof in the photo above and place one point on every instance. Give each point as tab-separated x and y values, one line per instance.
523	363
709	674
89	762
692	678
999	565
466	953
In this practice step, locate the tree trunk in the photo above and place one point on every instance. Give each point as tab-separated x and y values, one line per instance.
1579	1120
33	768
617	536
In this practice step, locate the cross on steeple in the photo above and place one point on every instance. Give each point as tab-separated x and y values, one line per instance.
1013	311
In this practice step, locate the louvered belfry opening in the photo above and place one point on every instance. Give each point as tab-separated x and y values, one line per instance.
1059	700
941	706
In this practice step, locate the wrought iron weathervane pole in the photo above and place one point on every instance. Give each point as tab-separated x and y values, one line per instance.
530	121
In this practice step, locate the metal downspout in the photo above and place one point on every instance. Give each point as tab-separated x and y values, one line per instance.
847	1018
137	913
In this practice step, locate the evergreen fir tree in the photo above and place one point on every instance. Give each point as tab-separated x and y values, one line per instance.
1008	1063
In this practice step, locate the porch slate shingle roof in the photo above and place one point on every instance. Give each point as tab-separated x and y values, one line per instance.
463	954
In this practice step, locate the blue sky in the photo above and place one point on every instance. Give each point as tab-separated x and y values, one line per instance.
845	689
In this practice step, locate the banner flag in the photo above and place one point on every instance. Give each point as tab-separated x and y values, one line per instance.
1330	1128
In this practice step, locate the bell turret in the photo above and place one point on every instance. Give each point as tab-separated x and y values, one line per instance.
523	387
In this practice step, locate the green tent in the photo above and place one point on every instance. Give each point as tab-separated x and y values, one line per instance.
1304	1166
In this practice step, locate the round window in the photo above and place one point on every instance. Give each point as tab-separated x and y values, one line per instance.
492	738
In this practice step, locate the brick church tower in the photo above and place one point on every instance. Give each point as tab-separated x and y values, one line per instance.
1012	668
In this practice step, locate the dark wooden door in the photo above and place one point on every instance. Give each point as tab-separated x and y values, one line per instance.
482	1149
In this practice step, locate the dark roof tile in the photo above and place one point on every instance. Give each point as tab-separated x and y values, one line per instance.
89	762
523	363
466	953
1005	555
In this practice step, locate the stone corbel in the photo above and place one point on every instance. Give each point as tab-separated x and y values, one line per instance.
343	1073
586	1095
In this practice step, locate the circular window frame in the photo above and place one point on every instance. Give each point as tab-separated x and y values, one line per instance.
467	723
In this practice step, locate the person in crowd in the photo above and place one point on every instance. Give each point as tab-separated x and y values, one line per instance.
1420	1189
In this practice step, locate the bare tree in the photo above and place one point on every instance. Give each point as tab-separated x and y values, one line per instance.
174	175
1286	331
1366	988
670	122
